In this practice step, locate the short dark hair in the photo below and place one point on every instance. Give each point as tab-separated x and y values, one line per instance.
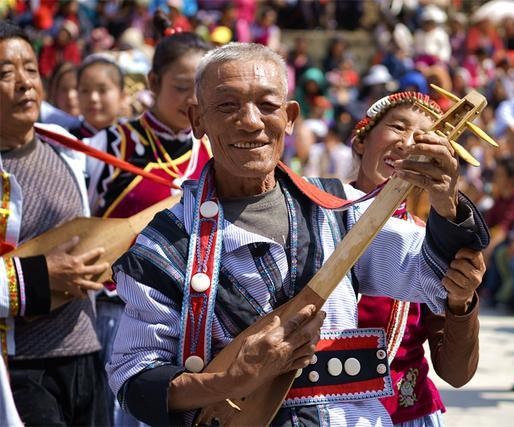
9	30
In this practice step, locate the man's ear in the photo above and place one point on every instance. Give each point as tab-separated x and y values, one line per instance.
292	110
154	82
195	118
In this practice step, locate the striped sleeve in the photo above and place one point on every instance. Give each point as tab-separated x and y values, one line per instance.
147	338
401	263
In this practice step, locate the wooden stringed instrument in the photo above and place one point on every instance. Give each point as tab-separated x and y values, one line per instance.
260	407
115	235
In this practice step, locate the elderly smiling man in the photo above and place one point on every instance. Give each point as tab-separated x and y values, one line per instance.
244	240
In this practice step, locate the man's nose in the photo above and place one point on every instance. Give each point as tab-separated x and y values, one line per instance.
23	81
250	118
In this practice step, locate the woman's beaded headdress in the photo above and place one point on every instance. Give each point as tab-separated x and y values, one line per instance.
383	105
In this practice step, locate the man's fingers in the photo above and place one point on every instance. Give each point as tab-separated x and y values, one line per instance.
91	255
461	280
295	322
94	269
476	258
89	285
308	333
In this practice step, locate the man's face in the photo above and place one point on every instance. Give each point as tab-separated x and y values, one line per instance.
21	90
243	111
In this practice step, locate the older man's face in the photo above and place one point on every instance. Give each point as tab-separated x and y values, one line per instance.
243	110
21	90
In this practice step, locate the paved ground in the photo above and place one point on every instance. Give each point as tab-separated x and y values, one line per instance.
487	400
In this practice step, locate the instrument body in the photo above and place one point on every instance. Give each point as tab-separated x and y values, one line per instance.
115	235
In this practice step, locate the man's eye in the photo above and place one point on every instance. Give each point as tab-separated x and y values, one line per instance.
5	74
227	106
269	106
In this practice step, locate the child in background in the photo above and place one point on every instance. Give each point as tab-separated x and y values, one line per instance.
62	90
101	95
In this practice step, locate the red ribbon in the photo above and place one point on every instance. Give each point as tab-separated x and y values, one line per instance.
77	145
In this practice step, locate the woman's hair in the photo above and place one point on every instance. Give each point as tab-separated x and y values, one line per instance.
59	72
115	72
9	30
173	47
172	44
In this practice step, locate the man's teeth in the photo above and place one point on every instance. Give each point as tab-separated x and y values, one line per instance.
248	145
389	162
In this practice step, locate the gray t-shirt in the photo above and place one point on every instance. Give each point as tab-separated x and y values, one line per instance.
264	214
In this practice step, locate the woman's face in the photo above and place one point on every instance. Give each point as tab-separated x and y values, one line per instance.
100	96
174	91
386	143
66	96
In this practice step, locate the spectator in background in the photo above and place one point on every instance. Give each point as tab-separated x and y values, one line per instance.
311	85
63	48
483	36
500	219
100	41
264	30
329	158
100	83
431	41
299	57
457	26
335	54
62	88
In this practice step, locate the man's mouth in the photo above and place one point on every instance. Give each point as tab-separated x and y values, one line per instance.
26	101
248	145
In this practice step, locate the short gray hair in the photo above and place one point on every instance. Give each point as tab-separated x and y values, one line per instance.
247	52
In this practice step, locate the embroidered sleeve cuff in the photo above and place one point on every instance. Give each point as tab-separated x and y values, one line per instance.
36	285
445	238
146	396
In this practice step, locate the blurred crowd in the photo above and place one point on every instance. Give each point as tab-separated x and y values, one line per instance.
457	45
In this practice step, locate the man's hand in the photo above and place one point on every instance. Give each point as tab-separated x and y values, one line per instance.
277	349
72	273
438	175
463	277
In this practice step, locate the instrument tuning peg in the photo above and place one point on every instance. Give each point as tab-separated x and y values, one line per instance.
481	134
464	154
444	92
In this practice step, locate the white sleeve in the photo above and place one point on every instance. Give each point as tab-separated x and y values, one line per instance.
148	331
395	264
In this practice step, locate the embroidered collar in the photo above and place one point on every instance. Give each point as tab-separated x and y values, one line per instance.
164	131
87	129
